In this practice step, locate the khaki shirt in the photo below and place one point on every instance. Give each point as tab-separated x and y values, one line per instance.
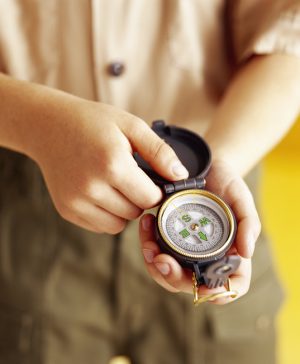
70	296
176	54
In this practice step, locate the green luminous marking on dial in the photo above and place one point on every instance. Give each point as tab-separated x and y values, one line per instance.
184	233
204	221
186	218
202	236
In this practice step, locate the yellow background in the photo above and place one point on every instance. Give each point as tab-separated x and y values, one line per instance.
281	217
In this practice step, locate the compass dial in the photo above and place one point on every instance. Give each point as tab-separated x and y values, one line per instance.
195	223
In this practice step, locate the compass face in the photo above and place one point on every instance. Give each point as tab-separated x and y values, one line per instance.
195	223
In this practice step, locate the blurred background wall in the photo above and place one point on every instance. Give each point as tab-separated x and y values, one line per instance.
280	197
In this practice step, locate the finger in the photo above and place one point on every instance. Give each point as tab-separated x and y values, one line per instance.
181	279
114	202
156	275
147	228
247	234
84	224
173	274
135	185
153	269
167	272
150	249
239	282
162	267
100	219
154	150
224	181
248	220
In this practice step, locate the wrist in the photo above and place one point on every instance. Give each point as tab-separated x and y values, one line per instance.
221	159
222	153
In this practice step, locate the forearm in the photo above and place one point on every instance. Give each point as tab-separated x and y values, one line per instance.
27	112
257	110
17	100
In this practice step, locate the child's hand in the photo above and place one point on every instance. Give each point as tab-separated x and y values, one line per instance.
165	270
85	154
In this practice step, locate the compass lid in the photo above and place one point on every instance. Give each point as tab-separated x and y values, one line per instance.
190	148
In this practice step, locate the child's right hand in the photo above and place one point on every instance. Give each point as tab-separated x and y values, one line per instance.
84	150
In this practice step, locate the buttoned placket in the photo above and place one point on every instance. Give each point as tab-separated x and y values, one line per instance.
109	50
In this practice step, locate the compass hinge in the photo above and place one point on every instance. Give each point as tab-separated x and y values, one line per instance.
185	184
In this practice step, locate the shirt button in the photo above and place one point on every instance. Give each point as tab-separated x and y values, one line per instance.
119	360
116	69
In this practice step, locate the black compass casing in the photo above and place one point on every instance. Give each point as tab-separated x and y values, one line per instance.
189	147
195	155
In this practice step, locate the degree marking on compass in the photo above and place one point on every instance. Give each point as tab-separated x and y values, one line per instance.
178	209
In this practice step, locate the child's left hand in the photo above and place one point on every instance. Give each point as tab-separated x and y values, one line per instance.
166	271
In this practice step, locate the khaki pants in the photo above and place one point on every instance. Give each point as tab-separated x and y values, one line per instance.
72	297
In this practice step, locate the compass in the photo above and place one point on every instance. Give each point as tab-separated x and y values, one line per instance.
193	225
197	228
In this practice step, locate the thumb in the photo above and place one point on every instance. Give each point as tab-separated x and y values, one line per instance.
155	151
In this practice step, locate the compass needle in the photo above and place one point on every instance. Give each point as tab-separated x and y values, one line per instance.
202	236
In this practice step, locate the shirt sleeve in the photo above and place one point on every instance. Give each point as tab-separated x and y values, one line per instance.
263	27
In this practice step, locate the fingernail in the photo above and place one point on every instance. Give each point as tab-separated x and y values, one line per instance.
146	223
164	268
178	169
148	255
